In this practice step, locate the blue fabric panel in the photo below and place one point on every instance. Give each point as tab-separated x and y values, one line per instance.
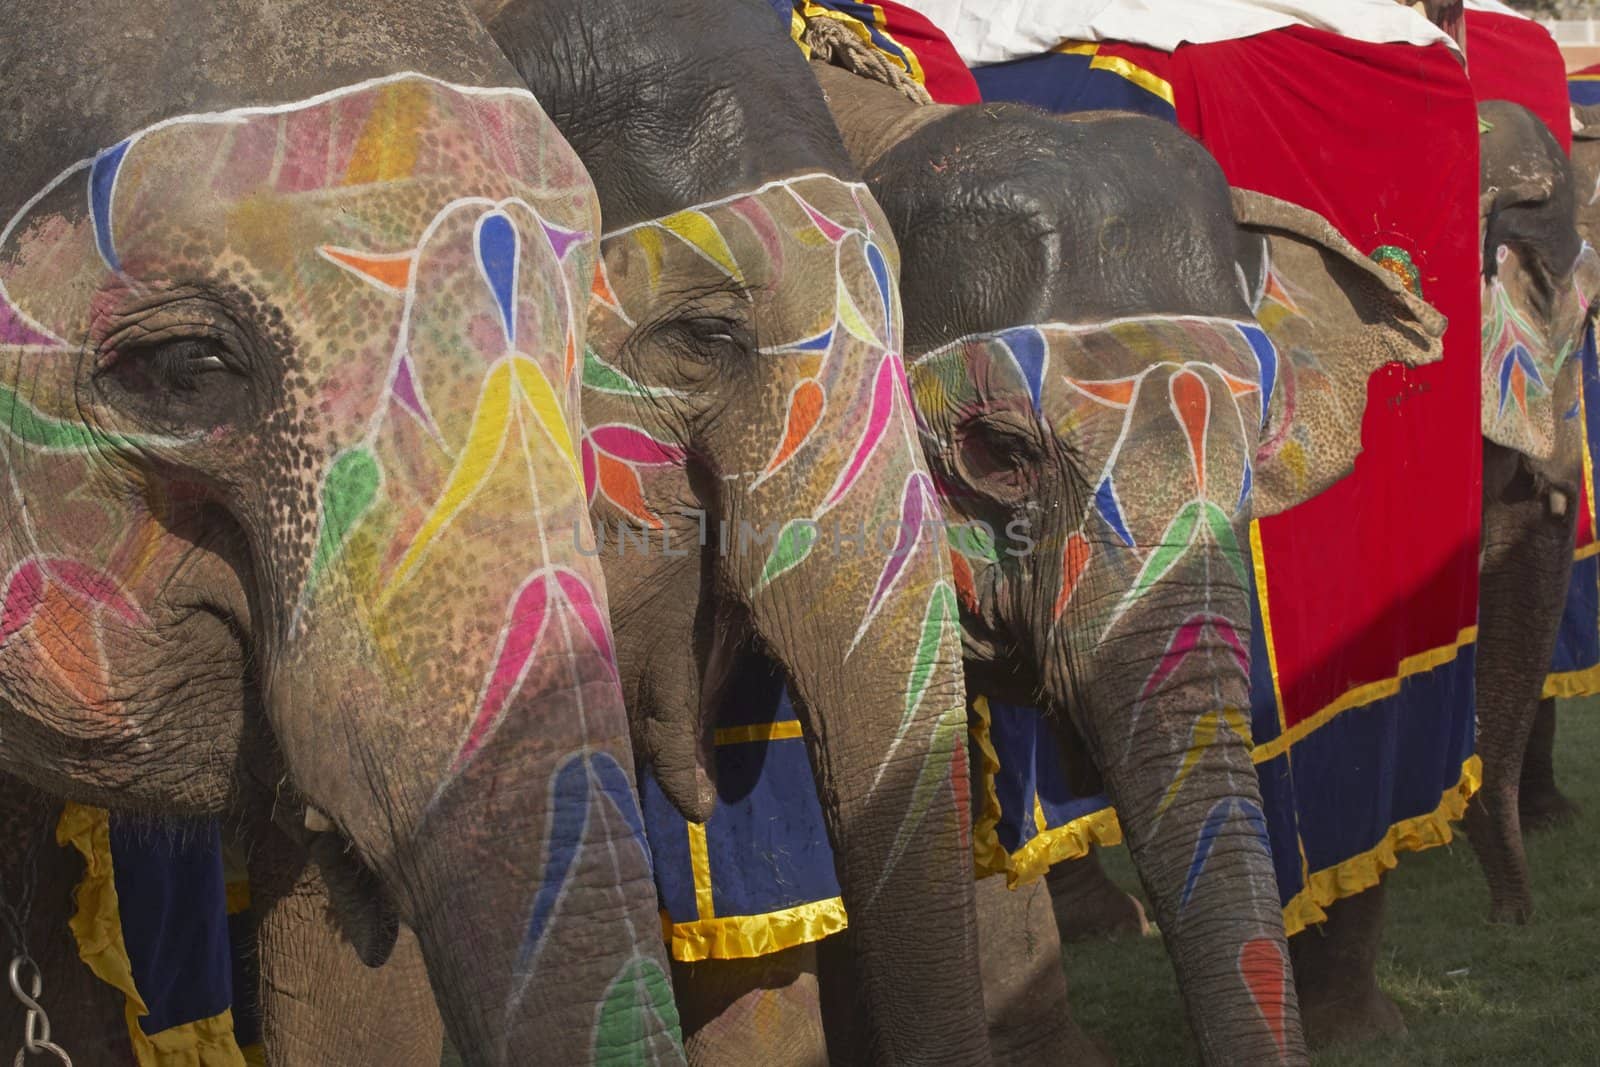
174	919
1066	83
766	842
668	833
1583	91
1578	640
1014	733
1373	766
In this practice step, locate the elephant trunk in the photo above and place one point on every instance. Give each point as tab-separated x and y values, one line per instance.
1175	753
862	614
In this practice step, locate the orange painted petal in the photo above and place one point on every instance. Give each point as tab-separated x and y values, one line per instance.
805	411
389	271
1118	393
966	588
620	483
1261	965
68	639
601	290
1074	560
1192	401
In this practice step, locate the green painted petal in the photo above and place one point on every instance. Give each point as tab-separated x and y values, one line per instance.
972	540
32	427
604	378
795	542
638	1002
348	493
940	616
1174	543
1222	531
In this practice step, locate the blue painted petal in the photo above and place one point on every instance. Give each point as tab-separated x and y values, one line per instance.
1257	819
1572	412
1105	501
102	182
1202	848
498	247
569	818
614	784
1505	379
1266	354
820	343
880	272
1530	368
1026	346
1245	487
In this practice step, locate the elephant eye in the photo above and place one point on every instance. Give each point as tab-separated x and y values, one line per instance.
714	336
177	382
998	455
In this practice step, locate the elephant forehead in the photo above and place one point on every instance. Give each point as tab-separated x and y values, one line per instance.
806	251
286	196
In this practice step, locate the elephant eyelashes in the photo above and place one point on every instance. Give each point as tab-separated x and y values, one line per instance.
997	455
179	382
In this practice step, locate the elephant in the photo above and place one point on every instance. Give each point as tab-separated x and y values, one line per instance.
291	476
1540	280
1050	393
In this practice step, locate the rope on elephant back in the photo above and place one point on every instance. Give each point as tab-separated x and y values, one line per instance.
832	42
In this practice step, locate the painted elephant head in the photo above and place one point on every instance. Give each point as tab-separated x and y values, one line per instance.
1114	367
1540	279
754	466
288	368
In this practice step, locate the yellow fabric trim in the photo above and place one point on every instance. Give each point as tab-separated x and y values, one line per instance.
1590	549
797	31
700	864
1588	464
255	1056
1365	694
988	854
743	937
1258	557
912	64
1362	872
97	927
1570	684
1077	48
761	731
1069	841
1145	80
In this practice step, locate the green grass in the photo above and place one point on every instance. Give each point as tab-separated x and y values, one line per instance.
1471	993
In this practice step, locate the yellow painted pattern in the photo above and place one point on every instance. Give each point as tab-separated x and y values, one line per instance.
387	148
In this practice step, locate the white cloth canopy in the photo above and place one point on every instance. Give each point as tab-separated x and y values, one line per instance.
992	31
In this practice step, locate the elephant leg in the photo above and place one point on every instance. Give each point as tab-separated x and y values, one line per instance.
765	1010
1527	556
86	1014
320	1005
1024	985
1088	904
1335	972
1539	800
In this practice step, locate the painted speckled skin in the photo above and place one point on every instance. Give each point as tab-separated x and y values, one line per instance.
288	402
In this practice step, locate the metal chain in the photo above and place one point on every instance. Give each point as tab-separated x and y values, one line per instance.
36	1028
14	924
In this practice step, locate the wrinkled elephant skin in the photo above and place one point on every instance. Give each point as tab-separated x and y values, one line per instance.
288	363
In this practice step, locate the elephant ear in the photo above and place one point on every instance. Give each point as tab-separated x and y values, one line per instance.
1335	316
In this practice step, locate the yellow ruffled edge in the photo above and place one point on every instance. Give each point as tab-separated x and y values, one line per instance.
743	937
97	928
1571	684
1361	872
989	856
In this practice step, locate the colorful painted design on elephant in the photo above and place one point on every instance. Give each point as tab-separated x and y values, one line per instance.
813	256
425	253
1530	383
1114	394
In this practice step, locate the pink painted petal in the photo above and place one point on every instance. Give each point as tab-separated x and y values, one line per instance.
22	599
98	588
913	510
517	641
830	229
1187	640
15	329
635	446
890	377
591	477
588	611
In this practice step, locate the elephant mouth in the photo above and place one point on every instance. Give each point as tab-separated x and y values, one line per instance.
364	912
